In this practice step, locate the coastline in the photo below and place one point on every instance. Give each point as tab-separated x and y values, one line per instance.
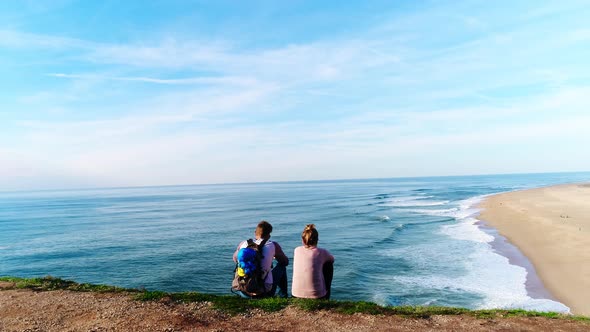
533	284
550	226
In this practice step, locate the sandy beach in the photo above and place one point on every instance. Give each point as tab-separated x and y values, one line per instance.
551	226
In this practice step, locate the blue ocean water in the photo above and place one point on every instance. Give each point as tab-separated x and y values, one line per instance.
396	241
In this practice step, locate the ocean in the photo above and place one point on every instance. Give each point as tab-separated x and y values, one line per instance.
399	241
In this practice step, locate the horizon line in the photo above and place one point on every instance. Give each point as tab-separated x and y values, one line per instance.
279	182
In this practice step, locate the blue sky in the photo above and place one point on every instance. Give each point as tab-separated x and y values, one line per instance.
126	93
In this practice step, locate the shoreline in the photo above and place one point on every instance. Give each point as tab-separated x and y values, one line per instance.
546	231
533	285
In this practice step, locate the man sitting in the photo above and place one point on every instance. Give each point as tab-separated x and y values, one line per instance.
273	277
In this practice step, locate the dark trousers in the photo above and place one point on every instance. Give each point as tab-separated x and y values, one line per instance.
328	271
279	278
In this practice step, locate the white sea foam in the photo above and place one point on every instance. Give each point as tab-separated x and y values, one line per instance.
411	198
413	201
452	212
466	230
455	212
464	209
501	286
384	218
484	272
489	273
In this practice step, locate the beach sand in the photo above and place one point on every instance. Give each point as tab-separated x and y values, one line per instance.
551	226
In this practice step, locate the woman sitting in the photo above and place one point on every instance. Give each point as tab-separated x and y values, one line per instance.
313	267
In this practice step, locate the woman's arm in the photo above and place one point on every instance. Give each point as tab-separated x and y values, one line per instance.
328	256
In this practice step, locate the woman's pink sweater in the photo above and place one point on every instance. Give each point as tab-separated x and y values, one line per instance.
308	278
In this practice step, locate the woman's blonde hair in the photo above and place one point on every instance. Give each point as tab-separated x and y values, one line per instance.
310	236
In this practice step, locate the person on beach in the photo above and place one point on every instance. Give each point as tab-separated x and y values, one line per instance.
273	277
313	267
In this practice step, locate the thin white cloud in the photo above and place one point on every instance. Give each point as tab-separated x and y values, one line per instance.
325	60
579	35
18	39
173	81
379	103
150	115
165	54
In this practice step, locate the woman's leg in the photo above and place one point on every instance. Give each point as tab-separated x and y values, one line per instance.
328	271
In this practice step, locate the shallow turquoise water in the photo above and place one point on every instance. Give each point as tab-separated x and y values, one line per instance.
396	241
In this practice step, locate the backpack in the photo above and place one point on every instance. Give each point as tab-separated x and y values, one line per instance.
249	275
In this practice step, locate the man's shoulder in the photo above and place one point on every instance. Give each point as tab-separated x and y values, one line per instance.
271	244
259	241
244	243
267	244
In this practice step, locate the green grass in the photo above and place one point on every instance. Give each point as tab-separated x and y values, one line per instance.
50	283
228	303
232	304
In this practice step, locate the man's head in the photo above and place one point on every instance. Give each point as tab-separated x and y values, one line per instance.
263	230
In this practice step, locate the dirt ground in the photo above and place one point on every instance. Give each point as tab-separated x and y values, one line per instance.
27	310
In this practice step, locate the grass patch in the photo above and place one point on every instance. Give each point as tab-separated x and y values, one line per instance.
233	304
495	313
345	307
226	303
150	295
50	283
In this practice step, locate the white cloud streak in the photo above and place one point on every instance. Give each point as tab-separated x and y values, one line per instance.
383	103
173	81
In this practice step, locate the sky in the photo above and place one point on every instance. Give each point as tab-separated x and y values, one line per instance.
138	93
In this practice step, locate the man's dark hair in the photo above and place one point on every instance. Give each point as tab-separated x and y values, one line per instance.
263	229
